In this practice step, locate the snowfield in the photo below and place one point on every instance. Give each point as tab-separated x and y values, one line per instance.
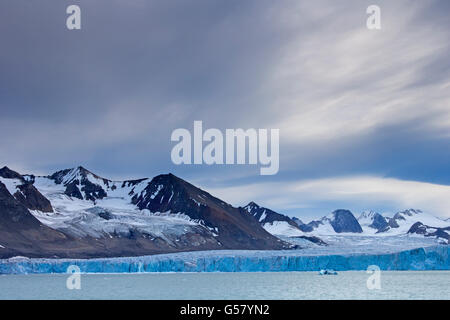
363	244
11	184
282	228
112	215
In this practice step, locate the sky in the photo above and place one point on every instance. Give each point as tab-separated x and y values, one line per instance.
364	115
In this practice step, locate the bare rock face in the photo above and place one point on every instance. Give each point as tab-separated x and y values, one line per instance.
345	221
7	173
13	212
341	220
374	220
26	193
32	198
379	223
392	223
265	215
20	232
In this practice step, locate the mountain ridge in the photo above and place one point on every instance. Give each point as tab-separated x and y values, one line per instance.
132	217
274	222
76	213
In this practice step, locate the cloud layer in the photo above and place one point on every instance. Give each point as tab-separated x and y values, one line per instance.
312	198
349	102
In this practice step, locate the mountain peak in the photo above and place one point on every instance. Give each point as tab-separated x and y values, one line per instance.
69	175
340	220
345	221
171	179
84	172
367	214
7	173
411	211
406	213
256	210
83	169
167	176
251	206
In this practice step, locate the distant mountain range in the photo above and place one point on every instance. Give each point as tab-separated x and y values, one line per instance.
78	214
343	222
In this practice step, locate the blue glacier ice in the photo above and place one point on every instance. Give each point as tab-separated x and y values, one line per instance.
427	258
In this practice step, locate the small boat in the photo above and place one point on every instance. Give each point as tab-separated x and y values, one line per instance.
327	272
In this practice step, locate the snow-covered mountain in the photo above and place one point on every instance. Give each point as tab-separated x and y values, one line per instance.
76	213
339	221
402	221
274	222
24	191
373	222
442	233
101	217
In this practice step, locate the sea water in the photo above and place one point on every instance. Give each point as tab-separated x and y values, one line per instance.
218	285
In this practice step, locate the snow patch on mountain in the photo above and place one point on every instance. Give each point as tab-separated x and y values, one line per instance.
82	217
273	222
373	222
412	214
404	220
11	184
282	228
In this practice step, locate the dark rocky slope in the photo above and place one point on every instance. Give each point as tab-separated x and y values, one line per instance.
235	228
265	215
26	193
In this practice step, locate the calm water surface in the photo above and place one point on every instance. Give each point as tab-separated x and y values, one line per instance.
264	285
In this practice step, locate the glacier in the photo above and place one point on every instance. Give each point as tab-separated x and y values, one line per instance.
425	258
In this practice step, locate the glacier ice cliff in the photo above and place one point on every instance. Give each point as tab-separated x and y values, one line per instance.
429	258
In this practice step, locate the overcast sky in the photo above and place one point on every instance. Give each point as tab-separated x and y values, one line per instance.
364	115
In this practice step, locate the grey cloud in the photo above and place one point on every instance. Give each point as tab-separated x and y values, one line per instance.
109	95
